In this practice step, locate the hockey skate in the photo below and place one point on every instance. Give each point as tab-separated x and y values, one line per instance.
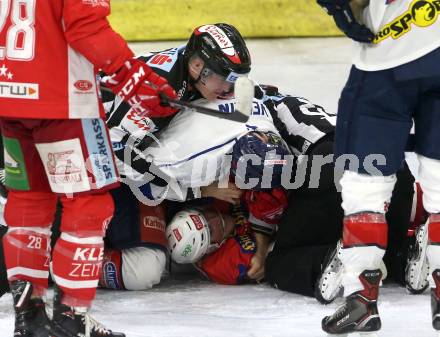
76	322
435	301
359	312
417	268
329	285
30	315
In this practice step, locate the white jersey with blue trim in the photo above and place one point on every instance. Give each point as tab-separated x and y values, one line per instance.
405	31
193	148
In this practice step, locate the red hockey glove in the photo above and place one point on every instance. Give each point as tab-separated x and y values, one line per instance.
267	206
137	84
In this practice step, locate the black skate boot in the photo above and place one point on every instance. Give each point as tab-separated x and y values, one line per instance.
76	322
30	314
359	312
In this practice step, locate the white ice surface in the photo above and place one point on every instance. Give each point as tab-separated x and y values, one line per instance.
196	308
313	68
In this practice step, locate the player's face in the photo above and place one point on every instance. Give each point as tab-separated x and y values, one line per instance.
216	225
220	227
210	84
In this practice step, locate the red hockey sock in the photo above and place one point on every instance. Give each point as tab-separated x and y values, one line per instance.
27	255
434	229
365	229
78	254
76	265
29	215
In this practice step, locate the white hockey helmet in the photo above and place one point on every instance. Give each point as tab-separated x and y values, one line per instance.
188	236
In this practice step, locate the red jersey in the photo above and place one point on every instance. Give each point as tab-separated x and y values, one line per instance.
50	51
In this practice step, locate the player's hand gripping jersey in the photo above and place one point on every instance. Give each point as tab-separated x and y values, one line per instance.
405	30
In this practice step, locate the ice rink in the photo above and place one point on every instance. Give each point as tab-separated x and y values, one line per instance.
317	70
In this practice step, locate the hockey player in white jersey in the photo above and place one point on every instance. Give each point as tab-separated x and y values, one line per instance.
394	82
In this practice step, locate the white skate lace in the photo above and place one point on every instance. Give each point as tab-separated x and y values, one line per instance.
341	311
93	325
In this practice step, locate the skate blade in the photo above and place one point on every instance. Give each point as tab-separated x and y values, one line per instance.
361	334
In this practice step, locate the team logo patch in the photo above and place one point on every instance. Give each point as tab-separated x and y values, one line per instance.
187	250
197	221
222	40
421	13
110	275
19	90
153	222
160	59
164	60
83	85
65	166
177	234
247	245
142	123
100	161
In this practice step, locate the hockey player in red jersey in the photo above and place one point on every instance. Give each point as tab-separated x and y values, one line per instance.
56	144
220	239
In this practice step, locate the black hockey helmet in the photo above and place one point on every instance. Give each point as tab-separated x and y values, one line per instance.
222	48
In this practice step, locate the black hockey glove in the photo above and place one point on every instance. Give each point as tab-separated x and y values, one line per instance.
345	20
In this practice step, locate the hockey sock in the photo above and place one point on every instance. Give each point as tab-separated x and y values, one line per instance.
27	242
76	268
27	255
365	238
